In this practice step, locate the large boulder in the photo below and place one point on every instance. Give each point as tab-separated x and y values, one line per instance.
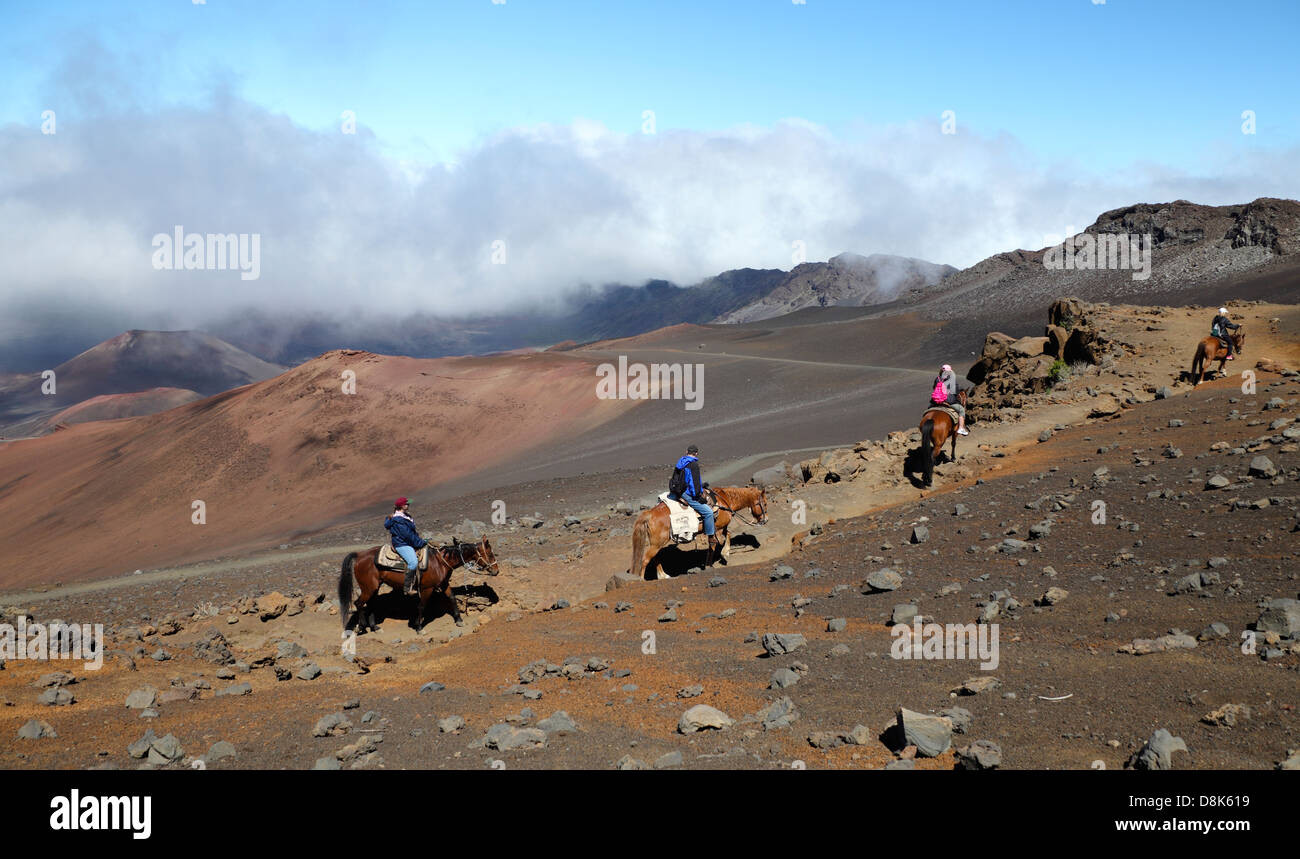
1281	616
840	464
1037	373
996	345
812	470
702	717
932	735
1066	313
1084	344
776	475
1028	347
1056	340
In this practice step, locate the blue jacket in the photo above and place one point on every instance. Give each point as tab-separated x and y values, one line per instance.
404	533
691	466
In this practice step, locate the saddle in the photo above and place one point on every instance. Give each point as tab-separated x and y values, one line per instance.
943	407
390	560
683	521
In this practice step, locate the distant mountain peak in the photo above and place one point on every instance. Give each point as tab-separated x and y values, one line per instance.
846	279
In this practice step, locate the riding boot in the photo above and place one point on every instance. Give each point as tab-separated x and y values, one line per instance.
409	587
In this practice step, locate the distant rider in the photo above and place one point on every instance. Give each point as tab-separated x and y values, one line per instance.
406	540
693	494
1220	328
944	393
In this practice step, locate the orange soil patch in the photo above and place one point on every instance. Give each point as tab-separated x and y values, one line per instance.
276	459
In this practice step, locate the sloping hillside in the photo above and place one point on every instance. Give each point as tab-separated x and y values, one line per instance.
279	458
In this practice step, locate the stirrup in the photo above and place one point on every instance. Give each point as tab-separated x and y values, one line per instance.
410	586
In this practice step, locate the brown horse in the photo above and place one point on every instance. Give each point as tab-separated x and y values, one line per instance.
361	568
937	427
1210	350
653	531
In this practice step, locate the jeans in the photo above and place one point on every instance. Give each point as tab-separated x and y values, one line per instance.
705	511
408	555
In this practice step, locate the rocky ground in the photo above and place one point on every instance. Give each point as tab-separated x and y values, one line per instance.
1115	622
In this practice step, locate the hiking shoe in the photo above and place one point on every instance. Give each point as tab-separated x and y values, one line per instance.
963	432
1232	357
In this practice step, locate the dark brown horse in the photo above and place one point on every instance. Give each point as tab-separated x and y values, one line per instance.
937	427
361	568
653	531
1210	350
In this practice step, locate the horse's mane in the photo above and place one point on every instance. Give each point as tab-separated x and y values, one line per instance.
738	496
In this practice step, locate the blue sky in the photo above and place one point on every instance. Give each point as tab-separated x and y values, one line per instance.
1100	84
519	126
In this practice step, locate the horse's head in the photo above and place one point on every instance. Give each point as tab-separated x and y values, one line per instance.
961	397
758	508
479	557
1239	338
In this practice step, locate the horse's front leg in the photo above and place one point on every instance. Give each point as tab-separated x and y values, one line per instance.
423	598
726	546
451	601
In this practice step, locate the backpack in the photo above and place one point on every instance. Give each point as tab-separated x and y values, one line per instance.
677	483
940	393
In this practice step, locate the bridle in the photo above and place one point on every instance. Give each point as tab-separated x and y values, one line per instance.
471	563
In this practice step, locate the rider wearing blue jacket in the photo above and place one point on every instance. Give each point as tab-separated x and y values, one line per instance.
694	494
405	542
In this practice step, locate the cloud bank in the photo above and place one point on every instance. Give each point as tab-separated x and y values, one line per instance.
517	221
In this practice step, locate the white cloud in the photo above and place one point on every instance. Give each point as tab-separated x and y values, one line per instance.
346	228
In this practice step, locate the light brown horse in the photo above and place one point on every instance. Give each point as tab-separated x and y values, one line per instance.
653	531
1210	350
361	568
937	427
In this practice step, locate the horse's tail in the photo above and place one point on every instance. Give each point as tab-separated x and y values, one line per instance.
927	449
345	589
640	539
1198	363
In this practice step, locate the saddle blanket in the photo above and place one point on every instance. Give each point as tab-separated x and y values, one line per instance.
683	521
389	559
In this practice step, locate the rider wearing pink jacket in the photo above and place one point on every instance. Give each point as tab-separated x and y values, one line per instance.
946	382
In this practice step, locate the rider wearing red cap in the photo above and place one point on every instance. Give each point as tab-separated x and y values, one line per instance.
405	541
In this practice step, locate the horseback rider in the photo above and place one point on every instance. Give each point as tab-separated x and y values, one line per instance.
944	393
689	490
1220	328
406	540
